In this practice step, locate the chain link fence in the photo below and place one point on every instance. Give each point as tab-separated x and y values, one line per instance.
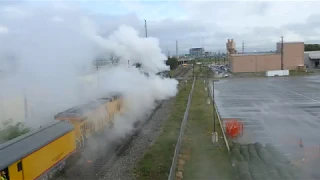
182	130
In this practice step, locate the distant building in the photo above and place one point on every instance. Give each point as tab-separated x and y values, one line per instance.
207	53
196	52
293	57
231	47
311	59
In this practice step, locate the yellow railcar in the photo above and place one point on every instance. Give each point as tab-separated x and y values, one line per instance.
92	117
38	154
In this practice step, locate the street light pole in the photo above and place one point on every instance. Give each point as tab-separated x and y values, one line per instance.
213	112
281	52
214	133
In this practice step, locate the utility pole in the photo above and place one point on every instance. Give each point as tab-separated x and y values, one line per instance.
98	85
26	115
242	47
281	52
145	28
177	50
202	47
194	63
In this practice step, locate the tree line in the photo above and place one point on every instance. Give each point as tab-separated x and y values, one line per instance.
10	130
172	62
311	47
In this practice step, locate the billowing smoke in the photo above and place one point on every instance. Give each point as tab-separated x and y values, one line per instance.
127	45
48	50
140	94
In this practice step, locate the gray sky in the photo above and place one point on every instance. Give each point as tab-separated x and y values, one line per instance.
193	23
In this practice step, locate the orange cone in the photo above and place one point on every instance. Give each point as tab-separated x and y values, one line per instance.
300	143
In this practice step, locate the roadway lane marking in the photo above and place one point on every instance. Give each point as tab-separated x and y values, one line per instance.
296	93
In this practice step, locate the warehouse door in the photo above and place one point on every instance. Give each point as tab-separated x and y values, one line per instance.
316	63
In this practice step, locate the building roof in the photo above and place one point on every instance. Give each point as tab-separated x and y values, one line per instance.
314	55
290	42
26	144
310	52
253	54
81	110
195	49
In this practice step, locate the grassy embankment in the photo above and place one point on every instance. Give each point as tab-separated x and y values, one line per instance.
157	161
200	158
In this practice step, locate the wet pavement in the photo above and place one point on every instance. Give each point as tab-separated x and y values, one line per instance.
279	110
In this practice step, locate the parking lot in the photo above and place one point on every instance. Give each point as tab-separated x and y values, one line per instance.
220	70
280	110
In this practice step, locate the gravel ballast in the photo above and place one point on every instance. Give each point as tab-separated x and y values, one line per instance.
124	165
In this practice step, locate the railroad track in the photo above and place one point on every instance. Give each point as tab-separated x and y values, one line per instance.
182	72
94	169
123	147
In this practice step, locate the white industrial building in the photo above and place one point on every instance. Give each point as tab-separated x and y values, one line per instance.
311	59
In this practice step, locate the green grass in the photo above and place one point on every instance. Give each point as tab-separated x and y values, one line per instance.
172	72
263	74
203	160
156	163
12	130
299	73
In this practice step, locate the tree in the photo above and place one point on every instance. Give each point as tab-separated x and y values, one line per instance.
11	130
99	62
312	47
172	62
192	62
138	65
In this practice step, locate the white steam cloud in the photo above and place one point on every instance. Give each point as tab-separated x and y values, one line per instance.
46	53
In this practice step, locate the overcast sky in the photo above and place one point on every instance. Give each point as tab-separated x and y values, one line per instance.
193	23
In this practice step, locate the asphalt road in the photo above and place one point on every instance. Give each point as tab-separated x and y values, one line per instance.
279	110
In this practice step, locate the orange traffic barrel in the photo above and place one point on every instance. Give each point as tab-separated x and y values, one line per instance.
234	128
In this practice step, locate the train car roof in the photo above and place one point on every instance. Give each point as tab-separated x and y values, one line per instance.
81	110
20	147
